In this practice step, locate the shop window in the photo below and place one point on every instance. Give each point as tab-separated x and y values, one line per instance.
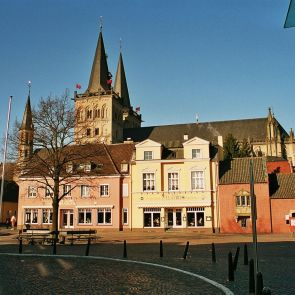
85	216
104	216
152	217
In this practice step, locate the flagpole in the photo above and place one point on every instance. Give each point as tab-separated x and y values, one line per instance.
4	156
254	217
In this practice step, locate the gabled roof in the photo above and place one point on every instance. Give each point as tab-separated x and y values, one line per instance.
27	122
99	73
238	171
282	186
120	86
173	135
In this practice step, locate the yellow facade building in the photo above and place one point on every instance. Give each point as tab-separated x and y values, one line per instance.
173	189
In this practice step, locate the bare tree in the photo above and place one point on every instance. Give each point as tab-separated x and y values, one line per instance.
54	120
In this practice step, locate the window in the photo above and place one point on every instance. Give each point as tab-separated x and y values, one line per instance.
104	216
89	114
84	216
88	132
151	217
195	217
243	201
124	167
196	153
125	190
48	192
125	216
47	216
243	220
67	190
87	167
32	192
148	155
96	113
173	181
197	180
69	168
85	191
104	190
148	181
96	131
31	216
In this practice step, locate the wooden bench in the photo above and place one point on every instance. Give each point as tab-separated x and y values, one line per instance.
80	235
40	235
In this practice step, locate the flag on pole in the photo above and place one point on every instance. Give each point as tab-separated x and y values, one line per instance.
290	18
137	109
78	86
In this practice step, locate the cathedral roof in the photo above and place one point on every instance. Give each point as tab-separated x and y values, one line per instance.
120	86
173	135
99	73
27	122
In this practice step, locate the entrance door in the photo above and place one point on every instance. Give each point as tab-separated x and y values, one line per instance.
67	218
174	217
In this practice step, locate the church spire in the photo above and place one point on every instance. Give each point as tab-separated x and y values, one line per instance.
121	84
99	74
27	122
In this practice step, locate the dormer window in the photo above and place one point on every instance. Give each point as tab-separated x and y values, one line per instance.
69	168
124	167
148	155
88	167
196	153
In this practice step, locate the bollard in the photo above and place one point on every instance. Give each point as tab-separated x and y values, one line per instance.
231	276
87	247
20	246
125	250
259	283
185	250
245	255
54	247
161	248
236	259
213	253
251	277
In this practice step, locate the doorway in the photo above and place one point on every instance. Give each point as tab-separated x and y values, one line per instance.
174	218
67	218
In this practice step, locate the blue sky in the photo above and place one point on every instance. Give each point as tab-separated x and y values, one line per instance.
220	59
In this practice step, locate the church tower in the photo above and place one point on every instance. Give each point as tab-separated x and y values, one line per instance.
26	134
102	111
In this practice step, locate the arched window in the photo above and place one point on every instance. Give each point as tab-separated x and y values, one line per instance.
103	111
89	114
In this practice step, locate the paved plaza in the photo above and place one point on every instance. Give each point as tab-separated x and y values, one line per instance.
37	271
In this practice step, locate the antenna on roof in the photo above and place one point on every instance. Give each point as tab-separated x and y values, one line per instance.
100	23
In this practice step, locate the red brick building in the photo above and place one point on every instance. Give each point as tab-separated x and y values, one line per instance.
234	196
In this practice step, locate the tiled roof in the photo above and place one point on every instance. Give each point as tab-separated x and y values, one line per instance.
238	171
172	135
105	160
282	186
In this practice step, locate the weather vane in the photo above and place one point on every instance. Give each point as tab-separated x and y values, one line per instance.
29	86
100	23
120	44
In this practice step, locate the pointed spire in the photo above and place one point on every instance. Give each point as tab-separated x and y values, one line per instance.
27	122
121	84
99	73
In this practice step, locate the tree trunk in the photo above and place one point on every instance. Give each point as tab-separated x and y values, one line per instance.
55	206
